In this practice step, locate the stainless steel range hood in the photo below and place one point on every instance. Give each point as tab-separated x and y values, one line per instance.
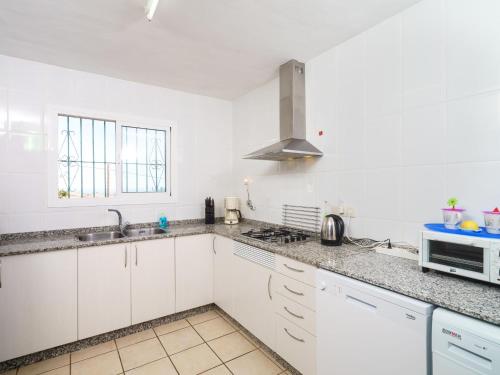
292	144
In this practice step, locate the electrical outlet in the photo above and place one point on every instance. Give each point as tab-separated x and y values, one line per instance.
350	212
336	210
344	211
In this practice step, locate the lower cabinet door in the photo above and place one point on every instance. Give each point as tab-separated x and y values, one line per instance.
153	279
296	346
253	306
38	302
103	289
223	273
193	271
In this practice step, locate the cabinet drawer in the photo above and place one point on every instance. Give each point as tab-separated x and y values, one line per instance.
296	270
296	313
296	291
296	346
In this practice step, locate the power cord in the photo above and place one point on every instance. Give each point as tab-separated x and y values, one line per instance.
368	243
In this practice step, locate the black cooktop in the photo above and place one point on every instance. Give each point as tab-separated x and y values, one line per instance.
281	235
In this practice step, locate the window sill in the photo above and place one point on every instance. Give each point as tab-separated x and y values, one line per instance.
121	200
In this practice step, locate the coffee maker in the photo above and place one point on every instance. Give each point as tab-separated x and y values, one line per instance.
232	214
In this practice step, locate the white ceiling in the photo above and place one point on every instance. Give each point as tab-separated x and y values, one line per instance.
221	48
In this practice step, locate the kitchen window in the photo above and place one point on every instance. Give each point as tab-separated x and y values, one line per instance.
109	160
86	162
144	166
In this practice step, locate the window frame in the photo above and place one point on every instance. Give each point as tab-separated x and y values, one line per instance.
120	198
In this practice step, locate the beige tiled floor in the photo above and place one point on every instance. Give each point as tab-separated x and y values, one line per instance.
203	344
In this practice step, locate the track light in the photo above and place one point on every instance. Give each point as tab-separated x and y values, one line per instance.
150	8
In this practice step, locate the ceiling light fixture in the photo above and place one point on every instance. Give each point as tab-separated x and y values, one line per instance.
150	8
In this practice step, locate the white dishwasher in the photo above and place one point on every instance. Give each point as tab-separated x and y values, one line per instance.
363	329
463	345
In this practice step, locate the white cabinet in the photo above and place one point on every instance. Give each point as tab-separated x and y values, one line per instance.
253	306
223	273
38	304
296	346
295	306
103	289
153	279
194	271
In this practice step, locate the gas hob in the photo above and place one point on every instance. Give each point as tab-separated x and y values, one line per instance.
281	235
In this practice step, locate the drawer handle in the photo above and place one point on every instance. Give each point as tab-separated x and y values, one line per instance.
293	314
292	269
136	257
293	291
293	337
269	287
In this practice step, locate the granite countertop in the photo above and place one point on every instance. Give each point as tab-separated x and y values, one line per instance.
473	298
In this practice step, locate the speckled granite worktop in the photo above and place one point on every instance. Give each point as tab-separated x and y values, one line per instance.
310	252
471	298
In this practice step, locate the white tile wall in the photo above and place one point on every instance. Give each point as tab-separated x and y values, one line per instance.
410	111
204	131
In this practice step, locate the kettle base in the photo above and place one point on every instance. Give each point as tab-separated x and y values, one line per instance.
331	242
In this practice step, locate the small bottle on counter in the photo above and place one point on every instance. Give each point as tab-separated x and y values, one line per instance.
163	221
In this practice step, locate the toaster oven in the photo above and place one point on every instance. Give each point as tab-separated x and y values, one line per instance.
468	256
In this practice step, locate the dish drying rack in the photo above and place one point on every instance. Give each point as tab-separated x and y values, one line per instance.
301	217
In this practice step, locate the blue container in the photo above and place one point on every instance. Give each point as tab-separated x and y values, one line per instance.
163	222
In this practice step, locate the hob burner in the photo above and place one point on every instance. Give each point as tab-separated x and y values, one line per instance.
280	235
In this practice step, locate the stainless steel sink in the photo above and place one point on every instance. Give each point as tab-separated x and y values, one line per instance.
143	232
100	236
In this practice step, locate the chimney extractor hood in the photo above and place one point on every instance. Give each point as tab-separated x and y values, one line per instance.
292	144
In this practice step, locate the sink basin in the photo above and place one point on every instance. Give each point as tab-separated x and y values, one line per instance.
100	236
143	232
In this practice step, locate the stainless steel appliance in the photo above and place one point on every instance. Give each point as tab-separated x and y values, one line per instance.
332	230
279	235
469	256
293	143
232	214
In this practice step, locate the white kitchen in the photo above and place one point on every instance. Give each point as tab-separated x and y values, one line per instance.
250	187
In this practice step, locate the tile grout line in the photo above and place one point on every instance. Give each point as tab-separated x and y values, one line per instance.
97	355
119	356
236	329
168	356
44	372
118	349
147	363
224	363
262	349
213	351
207	342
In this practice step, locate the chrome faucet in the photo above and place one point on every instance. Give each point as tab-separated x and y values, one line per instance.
121	224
